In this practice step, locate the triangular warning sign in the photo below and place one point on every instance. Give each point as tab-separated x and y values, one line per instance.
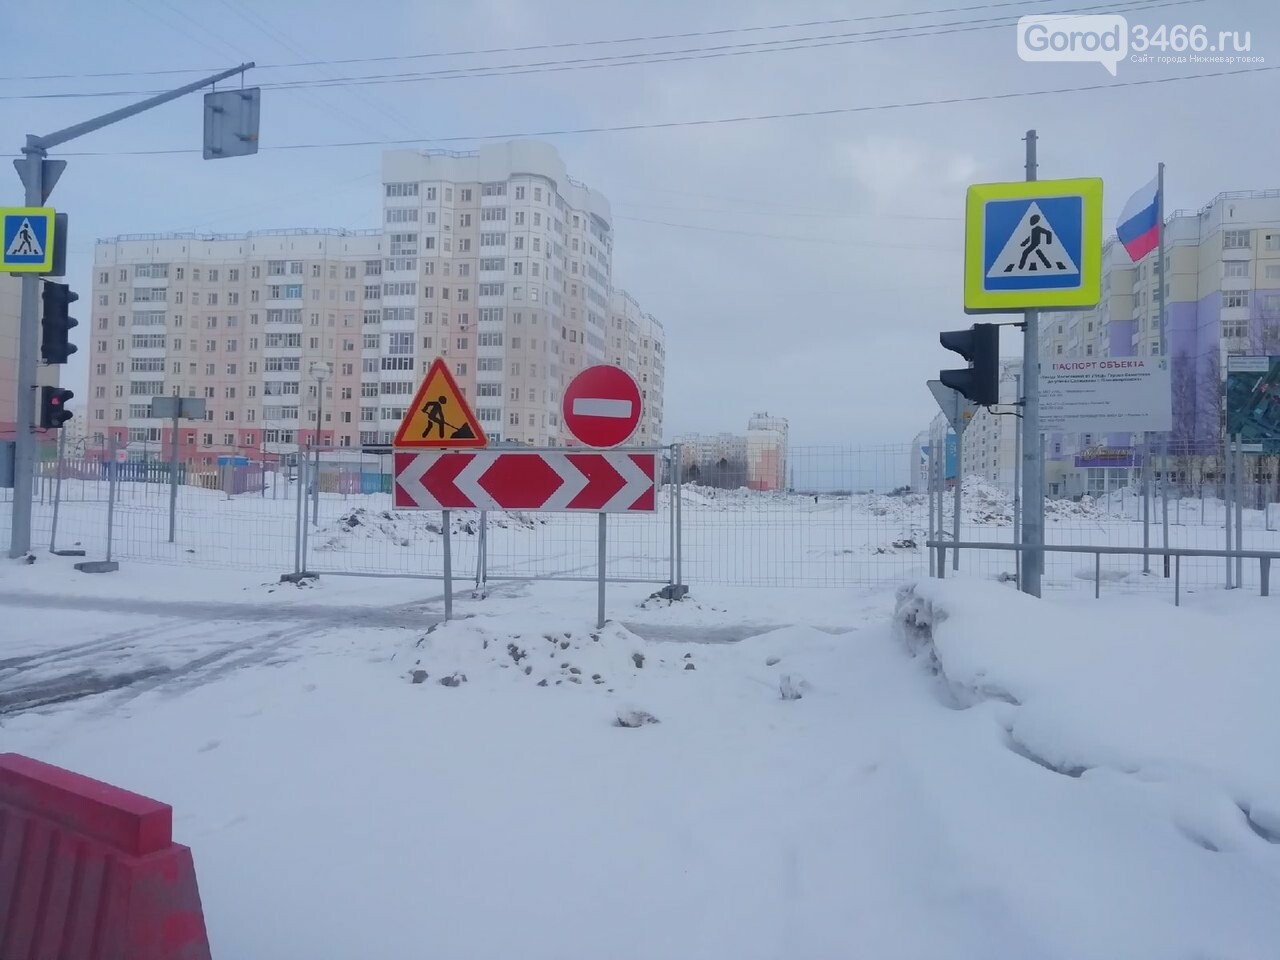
1033	250
439	416
25	242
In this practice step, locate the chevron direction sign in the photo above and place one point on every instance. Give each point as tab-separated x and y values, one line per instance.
612	481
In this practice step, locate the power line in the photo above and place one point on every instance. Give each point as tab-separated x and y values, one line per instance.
724	31
640	59
716	121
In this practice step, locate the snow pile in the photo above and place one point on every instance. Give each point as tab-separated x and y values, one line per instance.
480	650
362	524
1126	688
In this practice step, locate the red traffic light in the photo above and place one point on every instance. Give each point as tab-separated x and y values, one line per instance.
53	412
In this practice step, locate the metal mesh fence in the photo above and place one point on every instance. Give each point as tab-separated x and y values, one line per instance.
847	516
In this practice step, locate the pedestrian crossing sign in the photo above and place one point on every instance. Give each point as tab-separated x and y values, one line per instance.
439	416
1033	245
26	245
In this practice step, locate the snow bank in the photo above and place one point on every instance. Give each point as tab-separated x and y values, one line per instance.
1160	693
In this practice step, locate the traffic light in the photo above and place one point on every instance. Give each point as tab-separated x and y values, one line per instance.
53	407
56	324
980	345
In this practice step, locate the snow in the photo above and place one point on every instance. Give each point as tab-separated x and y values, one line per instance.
931	769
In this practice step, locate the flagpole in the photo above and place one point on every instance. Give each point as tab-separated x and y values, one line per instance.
1164	353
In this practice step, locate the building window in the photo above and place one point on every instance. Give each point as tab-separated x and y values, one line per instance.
1236	268
1235	298
1235	240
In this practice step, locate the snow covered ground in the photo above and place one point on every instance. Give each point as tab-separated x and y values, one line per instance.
949	770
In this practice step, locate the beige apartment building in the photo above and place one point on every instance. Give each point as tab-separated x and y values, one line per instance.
494	260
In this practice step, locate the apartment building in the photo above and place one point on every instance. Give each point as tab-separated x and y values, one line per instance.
767	441
254	324
989	442
1221	276
502	264
494	260
636	343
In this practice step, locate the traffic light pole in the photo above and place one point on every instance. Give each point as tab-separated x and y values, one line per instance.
1032	459
39	180
24	448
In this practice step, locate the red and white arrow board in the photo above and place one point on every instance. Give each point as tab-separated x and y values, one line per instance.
605	482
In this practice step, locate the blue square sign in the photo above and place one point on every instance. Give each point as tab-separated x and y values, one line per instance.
1033	243
26	242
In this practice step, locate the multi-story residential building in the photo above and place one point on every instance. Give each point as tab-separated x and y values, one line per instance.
989	442
240	321
636	342
767	443
494	260
1221	276
502	264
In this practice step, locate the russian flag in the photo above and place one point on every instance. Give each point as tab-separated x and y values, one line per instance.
1139	225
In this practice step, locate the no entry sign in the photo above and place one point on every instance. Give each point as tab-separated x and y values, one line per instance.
602	406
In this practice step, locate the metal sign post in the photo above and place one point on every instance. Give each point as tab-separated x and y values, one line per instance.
604	519
959	411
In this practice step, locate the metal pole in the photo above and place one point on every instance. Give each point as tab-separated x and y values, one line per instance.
679	533
955	520
600	575
671	520
57	491
24	452
1239	502
1017	482
480	549
445	523
1146	501
173	466
1226	501
933	468
111	498
1164	355
1032	462
303	462
315	481
297	526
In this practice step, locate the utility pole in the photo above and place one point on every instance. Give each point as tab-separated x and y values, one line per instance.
39	175
1032	462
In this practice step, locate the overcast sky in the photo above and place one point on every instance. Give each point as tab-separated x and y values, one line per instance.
800	266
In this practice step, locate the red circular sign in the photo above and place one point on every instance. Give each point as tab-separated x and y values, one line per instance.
602	406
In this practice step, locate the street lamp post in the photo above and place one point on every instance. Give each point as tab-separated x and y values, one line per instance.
320	372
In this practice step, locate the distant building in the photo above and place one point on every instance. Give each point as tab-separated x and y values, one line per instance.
757	460
767	452
990	440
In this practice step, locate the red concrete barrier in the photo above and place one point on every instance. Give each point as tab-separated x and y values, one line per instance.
90	872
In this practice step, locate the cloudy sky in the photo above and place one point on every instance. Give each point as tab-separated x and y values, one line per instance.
800	265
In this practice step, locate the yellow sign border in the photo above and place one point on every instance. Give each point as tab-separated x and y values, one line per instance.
979	300
45	213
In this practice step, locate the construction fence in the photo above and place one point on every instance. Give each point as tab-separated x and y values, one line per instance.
848	516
